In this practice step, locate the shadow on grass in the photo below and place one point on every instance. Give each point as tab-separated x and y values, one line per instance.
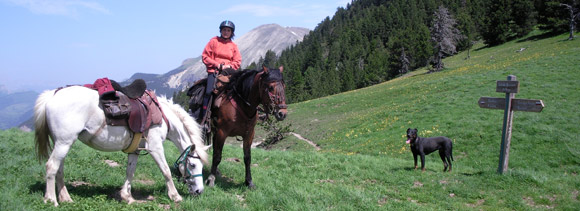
111	191
479	173
540	36
433	170
407	169
224	182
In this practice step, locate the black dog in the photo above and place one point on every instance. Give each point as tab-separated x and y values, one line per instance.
424	146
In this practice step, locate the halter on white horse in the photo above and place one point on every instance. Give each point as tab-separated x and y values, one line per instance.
73	113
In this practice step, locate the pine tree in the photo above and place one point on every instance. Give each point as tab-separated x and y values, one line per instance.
496	29
551	16
270	59
522	17
444	36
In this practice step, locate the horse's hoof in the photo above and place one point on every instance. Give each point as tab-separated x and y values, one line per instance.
251	185
51	201
177	199
210	181
65	199
125	196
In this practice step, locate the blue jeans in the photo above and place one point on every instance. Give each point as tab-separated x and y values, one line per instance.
208	91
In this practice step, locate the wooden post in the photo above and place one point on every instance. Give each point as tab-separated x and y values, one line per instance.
506	135
509	105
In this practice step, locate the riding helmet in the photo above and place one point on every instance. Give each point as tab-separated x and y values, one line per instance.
229	24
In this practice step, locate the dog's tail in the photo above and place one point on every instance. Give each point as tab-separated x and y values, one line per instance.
451	152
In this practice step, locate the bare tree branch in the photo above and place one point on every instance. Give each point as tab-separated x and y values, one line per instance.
574	14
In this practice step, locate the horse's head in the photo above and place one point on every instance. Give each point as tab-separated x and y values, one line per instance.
272	92
189	168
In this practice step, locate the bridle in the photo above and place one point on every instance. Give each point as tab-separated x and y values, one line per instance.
182	159
276	97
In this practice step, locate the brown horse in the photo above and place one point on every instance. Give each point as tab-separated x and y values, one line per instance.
238	113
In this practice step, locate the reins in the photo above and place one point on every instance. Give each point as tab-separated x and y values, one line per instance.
240	96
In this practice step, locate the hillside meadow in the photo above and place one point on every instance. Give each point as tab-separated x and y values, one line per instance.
364	162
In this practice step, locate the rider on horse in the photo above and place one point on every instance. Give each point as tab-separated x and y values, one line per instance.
220	53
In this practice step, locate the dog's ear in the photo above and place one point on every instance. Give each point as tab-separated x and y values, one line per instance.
408	129
416	129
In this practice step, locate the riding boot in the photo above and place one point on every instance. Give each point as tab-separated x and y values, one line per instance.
203	109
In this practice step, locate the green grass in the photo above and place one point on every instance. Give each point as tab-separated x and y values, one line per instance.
364	162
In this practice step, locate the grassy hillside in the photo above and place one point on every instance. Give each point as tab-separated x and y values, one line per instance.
364	162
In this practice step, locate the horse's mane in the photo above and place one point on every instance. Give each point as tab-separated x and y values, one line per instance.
190	125
274	75
242	81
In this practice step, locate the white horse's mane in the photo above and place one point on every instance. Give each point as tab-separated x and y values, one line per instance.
190	125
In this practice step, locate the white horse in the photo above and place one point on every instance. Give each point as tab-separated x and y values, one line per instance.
73	113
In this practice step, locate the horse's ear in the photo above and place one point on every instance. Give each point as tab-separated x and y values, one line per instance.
192	149
281	68
265	69
206	147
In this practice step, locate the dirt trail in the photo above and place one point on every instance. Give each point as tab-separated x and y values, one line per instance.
306	140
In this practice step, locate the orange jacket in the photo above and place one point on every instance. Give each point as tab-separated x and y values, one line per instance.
221	51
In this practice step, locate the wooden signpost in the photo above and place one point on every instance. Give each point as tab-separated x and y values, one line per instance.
509	104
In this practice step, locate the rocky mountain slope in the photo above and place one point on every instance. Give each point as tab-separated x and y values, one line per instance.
252	45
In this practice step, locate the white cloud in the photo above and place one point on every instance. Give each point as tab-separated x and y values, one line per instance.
262	10
303	11
68	8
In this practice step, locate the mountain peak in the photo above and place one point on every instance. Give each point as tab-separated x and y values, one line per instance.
274	37
253	45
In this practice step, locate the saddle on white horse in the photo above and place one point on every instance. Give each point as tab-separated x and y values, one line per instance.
132	106
138	114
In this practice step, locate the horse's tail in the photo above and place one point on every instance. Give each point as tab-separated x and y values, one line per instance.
190	126
42	142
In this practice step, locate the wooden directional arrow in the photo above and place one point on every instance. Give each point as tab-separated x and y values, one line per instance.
527	105
491	102
517	104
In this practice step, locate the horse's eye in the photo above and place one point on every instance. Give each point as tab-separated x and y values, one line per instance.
271	88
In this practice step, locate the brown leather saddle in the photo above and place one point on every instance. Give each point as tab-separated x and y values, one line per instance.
138	114
132	106
134	90
197	91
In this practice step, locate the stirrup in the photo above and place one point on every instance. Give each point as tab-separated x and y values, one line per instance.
205	123
205	128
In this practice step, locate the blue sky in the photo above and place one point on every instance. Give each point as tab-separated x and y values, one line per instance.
45	44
